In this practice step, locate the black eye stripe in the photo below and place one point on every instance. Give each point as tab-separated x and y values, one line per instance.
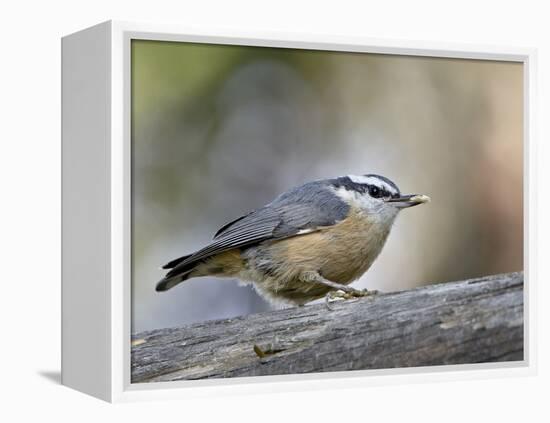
377	192
383	179
346	183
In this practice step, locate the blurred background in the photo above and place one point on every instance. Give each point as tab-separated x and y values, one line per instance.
220	130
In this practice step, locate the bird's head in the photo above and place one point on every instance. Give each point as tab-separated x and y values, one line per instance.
375	195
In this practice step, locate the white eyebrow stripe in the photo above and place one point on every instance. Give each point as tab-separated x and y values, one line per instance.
360	179
370	180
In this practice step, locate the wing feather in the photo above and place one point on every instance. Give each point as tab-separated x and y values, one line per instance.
304	209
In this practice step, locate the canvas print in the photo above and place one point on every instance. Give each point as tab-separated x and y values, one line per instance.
308	211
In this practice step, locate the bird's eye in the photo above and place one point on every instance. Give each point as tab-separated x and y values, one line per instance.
375	192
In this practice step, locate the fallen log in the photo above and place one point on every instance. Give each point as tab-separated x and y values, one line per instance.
472	321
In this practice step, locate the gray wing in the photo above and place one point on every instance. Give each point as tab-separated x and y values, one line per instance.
305	208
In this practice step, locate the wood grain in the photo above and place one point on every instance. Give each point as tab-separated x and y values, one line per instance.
471	321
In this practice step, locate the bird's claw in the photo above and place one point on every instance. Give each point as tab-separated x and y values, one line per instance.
340	295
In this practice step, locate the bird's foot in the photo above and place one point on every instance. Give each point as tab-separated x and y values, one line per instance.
348	294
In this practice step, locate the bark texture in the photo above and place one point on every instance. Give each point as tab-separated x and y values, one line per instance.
471	321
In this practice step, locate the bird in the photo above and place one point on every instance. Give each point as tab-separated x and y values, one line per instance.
310	242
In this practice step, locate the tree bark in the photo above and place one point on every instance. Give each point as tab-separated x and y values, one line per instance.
471	321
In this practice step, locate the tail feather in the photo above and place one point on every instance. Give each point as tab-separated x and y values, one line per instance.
170	282
175	262
178	272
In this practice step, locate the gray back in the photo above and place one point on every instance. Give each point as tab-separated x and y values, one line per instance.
309	206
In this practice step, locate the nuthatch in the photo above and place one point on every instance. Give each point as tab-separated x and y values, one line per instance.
309	241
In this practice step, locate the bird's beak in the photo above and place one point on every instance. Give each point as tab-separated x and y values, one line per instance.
408	200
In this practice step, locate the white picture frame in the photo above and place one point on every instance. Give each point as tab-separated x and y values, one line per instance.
96	211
